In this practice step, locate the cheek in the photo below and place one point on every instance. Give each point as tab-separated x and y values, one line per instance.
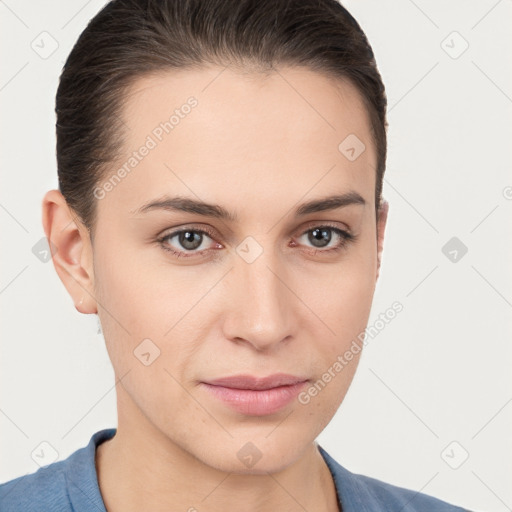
342	298
139	306
123	292
144	306
134	289
342	293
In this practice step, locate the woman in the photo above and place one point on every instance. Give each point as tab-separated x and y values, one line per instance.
220	209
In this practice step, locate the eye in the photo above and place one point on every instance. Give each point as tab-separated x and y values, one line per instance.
188	240
321	237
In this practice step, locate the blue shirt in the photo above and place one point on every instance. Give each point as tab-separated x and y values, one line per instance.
71	485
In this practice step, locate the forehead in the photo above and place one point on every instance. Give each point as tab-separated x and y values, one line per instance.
258	133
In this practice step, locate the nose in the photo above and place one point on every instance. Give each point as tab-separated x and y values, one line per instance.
261	304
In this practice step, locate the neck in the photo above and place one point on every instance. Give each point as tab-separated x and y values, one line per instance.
149	472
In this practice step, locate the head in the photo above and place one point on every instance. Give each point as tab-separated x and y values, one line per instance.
219	207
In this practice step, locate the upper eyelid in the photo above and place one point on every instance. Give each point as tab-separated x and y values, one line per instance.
187	227
329	224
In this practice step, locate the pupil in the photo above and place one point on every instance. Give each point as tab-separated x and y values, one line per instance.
317	235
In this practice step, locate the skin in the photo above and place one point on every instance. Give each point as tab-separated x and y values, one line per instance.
258	145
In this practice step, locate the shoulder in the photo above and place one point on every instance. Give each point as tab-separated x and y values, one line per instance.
43	490
361	492
406	499
66	485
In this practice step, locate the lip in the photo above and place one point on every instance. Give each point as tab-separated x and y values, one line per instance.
256	396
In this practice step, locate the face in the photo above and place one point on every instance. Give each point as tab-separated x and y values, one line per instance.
187	296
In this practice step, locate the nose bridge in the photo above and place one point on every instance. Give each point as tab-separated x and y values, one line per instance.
263	302
264	283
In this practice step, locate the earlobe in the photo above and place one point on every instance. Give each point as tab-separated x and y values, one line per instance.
71	250
381	228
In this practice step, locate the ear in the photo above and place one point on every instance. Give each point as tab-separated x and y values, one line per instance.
381	227
71	249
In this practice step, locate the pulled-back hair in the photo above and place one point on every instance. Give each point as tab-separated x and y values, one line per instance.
128	39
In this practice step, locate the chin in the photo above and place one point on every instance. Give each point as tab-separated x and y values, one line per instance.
254	455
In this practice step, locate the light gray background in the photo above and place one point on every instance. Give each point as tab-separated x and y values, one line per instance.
438	373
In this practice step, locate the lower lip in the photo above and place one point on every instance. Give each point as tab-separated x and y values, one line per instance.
256	402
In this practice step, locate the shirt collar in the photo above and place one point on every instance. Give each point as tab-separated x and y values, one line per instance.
353	495
81	477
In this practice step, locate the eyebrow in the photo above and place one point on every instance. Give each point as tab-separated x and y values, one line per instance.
185	204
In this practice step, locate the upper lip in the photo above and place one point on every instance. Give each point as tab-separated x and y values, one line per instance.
256	383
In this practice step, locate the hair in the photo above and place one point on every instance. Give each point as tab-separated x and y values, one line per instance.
129	39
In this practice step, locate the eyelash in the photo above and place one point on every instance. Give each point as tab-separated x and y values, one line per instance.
345	239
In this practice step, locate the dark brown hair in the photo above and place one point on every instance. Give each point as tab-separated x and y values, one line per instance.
128	39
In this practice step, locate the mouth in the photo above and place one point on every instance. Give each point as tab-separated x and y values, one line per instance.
257	383
256	396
